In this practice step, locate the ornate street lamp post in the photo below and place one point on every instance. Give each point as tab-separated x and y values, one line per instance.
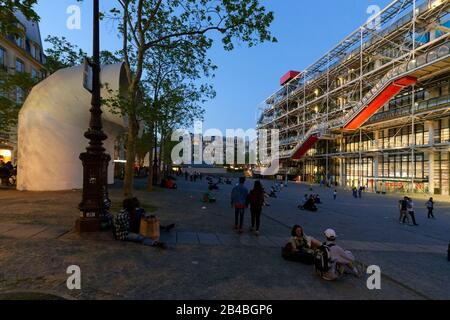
95	160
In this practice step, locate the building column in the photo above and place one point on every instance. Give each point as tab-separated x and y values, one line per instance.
341	172
431	184
430	126
342	177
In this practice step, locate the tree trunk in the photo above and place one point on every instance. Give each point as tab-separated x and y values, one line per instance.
150	160
131	157
160	169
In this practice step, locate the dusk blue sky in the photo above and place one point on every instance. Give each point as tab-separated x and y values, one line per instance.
246	76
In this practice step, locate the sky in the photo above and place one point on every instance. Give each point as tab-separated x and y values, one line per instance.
246	76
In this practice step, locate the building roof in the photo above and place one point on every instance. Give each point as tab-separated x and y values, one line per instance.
32	28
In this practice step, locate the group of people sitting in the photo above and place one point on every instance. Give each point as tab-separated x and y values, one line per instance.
329	259
193	177
309	202
7	173
277	187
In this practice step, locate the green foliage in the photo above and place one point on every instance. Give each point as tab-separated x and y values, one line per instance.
62	54
9	24
9	108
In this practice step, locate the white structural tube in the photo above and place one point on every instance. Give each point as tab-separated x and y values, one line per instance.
52	123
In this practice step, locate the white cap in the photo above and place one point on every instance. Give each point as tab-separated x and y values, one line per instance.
330	234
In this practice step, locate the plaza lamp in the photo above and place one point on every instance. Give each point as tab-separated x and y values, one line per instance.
95	161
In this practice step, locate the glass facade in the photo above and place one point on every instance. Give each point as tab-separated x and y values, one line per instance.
383	160
441	172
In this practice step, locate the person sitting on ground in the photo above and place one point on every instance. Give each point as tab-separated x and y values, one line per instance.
317	199
126	224
340	261
301	247
310	205
305	199
299	240
272	193
171	185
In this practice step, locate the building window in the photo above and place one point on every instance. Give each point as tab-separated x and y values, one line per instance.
20	96
33	51
2	57
34	74
20	42
20	66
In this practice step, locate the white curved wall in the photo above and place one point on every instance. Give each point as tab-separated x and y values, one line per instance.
52	123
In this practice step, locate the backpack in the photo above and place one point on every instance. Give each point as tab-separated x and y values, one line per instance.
322	261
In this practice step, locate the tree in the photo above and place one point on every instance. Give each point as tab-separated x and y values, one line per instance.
173	93
9	24
62	54
169	23
14	87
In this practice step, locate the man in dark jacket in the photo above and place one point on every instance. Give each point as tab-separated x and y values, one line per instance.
238	202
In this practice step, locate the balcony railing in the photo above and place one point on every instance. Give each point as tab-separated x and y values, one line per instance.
406	111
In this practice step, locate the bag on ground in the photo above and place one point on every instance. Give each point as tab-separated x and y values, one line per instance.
150	228
301	256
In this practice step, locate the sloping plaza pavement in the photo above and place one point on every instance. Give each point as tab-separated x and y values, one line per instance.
207	260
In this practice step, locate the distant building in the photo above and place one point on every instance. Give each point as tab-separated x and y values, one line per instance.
241	147
20	54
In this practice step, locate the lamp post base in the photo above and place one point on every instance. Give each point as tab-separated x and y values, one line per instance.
84	225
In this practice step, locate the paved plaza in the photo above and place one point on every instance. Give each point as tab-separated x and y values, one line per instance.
207	260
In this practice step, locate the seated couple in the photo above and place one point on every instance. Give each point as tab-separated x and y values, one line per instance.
334	260
127	224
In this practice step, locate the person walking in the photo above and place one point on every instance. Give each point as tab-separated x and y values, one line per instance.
238	202
403	208
256	201
430	207
335	194
410	208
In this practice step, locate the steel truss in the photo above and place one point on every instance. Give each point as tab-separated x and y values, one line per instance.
331	87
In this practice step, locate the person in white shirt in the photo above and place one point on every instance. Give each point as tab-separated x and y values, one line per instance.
341	261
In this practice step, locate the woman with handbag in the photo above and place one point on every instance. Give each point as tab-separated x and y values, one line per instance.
255	200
